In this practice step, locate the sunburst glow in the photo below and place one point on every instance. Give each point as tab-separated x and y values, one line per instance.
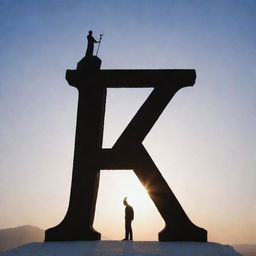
109	219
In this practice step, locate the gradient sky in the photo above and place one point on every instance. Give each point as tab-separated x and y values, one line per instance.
204	143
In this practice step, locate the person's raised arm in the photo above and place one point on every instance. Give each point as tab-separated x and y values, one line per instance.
95	40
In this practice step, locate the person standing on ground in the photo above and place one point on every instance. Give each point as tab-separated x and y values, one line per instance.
129	215
90	44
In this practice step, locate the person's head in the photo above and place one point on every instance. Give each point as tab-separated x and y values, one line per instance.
125	201
90	32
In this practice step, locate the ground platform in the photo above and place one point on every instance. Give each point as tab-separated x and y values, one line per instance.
122	248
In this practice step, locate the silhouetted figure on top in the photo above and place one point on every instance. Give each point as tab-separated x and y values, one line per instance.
90	44
129	215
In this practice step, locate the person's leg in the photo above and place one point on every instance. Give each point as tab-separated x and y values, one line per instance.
126	230
131	234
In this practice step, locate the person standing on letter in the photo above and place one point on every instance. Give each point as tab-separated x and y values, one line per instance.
129	215
90	44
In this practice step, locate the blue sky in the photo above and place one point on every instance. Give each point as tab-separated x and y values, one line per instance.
204	142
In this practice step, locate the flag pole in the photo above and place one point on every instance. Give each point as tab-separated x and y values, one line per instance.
99	44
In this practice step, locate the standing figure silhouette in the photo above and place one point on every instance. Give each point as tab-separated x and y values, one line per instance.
129	215
90	44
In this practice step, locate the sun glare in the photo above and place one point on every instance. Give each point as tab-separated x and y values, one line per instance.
109	219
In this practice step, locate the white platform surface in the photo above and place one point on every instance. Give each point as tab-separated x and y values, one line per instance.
122	248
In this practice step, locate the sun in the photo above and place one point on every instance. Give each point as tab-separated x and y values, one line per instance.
136	194
114	186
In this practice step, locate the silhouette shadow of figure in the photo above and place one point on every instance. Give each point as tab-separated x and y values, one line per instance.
90	44
129	216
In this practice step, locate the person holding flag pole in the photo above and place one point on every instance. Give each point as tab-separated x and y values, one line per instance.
90	44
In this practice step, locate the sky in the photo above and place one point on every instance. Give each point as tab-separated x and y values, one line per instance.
204	143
